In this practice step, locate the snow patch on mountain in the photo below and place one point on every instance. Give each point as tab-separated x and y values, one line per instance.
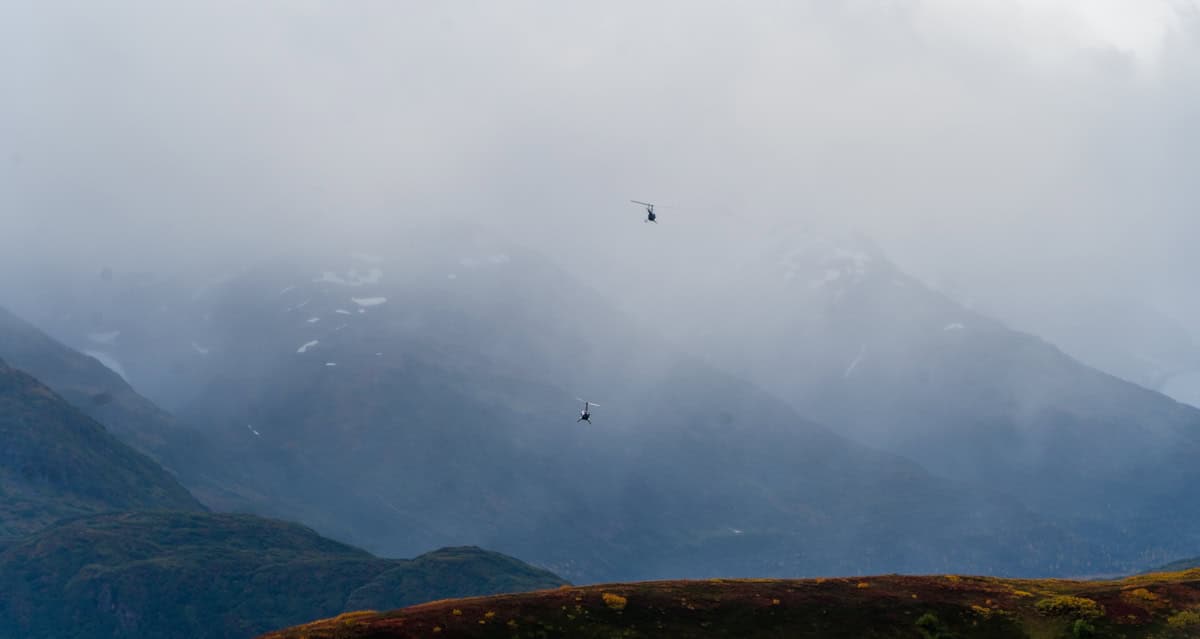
862	351
199	349
953	327
298	306
821	261
109	362
352	278
365	302
307	345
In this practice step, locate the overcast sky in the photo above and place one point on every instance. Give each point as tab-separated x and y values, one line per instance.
1002	146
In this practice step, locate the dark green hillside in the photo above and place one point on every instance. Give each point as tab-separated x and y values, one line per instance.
84	382
203	575
1161	606
56	462
208	470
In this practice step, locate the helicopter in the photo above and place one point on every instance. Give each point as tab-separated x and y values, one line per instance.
586	414
650	215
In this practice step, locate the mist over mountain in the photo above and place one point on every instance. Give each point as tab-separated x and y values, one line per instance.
915	292
377	399
829	324
1123	337
333	383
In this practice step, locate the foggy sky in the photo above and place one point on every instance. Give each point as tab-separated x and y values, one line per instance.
1024	151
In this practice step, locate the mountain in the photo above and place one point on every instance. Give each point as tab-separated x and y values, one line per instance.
210	472
203	575
428	398
84	382
137	324
56	462
1163	606
104	395
829	324
1118	334
223	477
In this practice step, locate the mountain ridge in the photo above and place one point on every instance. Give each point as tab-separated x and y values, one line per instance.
56	462
401	372
206	575
863	346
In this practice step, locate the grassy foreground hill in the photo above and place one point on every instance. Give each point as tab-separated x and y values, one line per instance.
202	575
1160	606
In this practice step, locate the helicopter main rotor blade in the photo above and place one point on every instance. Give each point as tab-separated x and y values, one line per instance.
656	206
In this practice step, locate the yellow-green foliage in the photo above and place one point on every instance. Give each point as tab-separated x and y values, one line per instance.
1141	593
989	610
1144	597
931	627
1068	606
614	601
1186	620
